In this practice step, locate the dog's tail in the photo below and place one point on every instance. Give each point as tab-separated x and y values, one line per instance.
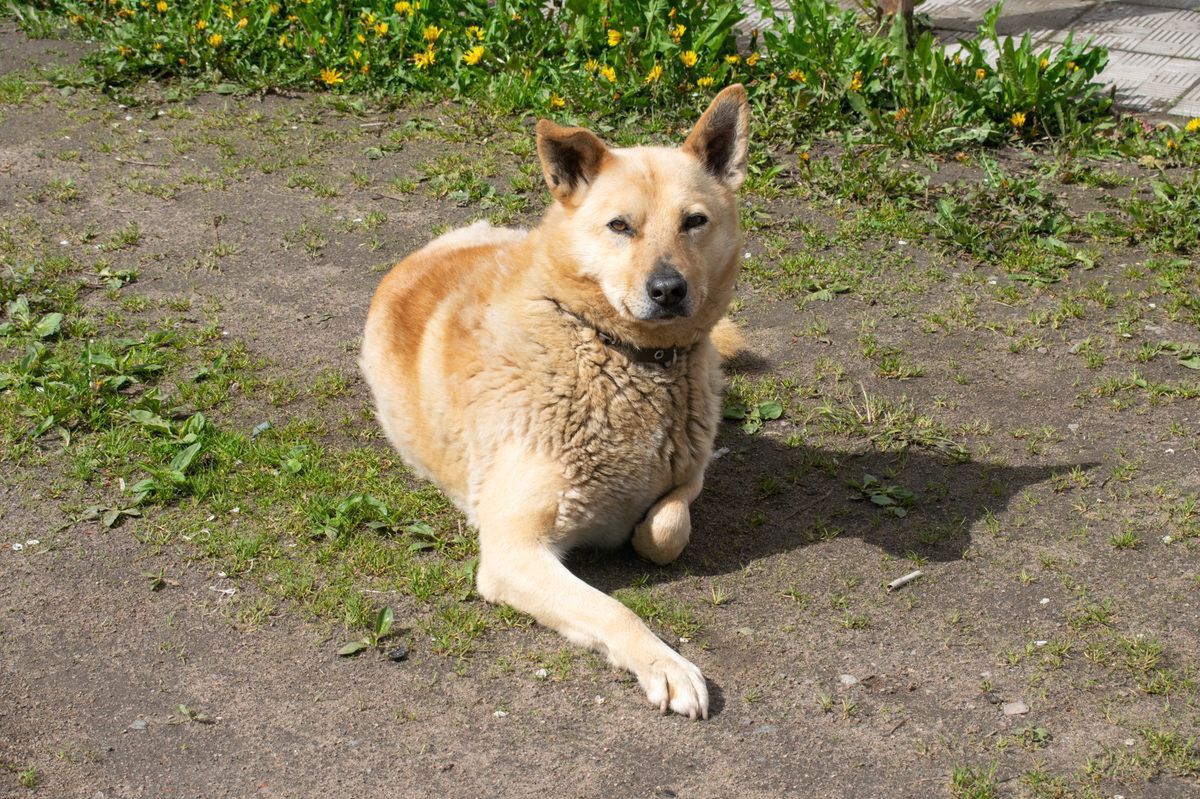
727	338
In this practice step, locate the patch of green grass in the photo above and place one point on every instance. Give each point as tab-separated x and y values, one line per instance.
888	424
15	88
666	611
1166	219
974	782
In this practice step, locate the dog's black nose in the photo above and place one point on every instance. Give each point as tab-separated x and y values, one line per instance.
667	288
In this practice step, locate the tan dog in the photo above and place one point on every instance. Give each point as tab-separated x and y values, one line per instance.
562	385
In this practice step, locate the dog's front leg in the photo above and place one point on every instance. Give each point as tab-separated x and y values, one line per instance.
665	531
517	505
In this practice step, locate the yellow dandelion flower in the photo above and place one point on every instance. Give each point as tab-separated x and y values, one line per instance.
671	14
183	62
381	29
242	23
798	76
227	11
591	65
654	74
614	38
556	101
475	32
733	59
157	46
360	38
804	156
980	73
689	58
283	41
957	60
124	51
856	82
1017	119
332	77
609	74
752	59
901	114
403	8
355	56
161	5
365	68
77	19
1045	62
201	25
1172	144
426	59
1193	125
704	82
215	40
431	33
677	32
273	9
473	56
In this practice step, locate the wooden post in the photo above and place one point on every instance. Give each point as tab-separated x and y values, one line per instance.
902	7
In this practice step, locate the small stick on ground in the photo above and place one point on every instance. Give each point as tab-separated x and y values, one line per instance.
900	582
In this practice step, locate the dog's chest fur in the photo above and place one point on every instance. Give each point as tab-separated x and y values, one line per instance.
624	432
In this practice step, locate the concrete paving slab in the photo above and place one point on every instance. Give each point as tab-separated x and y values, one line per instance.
1189	105
1146	82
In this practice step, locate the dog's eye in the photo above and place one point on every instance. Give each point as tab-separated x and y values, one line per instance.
694	221
619	226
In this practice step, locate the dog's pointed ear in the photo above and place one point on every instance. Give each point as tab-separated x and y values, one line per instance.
571	159
721	137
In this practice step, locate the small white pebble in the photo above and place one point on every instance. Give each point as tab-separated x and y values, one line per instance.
235	510
64	242
745	256
222	574
1166	539
541	674
1045	600
33	542
1169	451
722	452
18	547
901	242
1153	305
683	640
500	714
599	700
128	118
1040	643
985	674
1130	742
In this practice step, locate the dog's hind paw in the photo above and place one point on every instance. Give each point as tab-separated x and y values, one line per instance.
674	683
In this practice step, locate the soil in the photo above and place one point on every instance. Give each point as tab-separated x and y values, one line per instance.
808	701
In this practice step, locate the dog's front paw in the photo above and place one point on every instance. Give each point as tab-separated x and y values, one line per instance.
664	532
672	682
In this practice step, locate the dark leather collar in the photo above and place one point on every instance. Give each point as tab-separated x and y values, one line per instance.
659	356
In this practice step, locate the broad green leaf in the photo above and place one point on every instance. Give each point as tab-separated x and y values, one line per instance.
183	460
352	648
770	410
49	325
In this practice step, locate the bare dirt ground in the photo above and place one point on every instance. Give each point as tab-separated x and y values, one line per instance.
1049	649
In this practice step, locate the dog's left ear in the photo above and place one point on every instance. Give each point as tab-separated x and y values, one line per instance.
721	137
571	158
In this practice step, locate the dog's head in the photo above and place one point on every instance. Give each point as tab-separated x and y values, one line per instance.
648	238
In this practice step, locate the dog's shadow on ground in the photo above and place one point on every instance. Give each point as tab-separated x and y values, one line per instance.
763	497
